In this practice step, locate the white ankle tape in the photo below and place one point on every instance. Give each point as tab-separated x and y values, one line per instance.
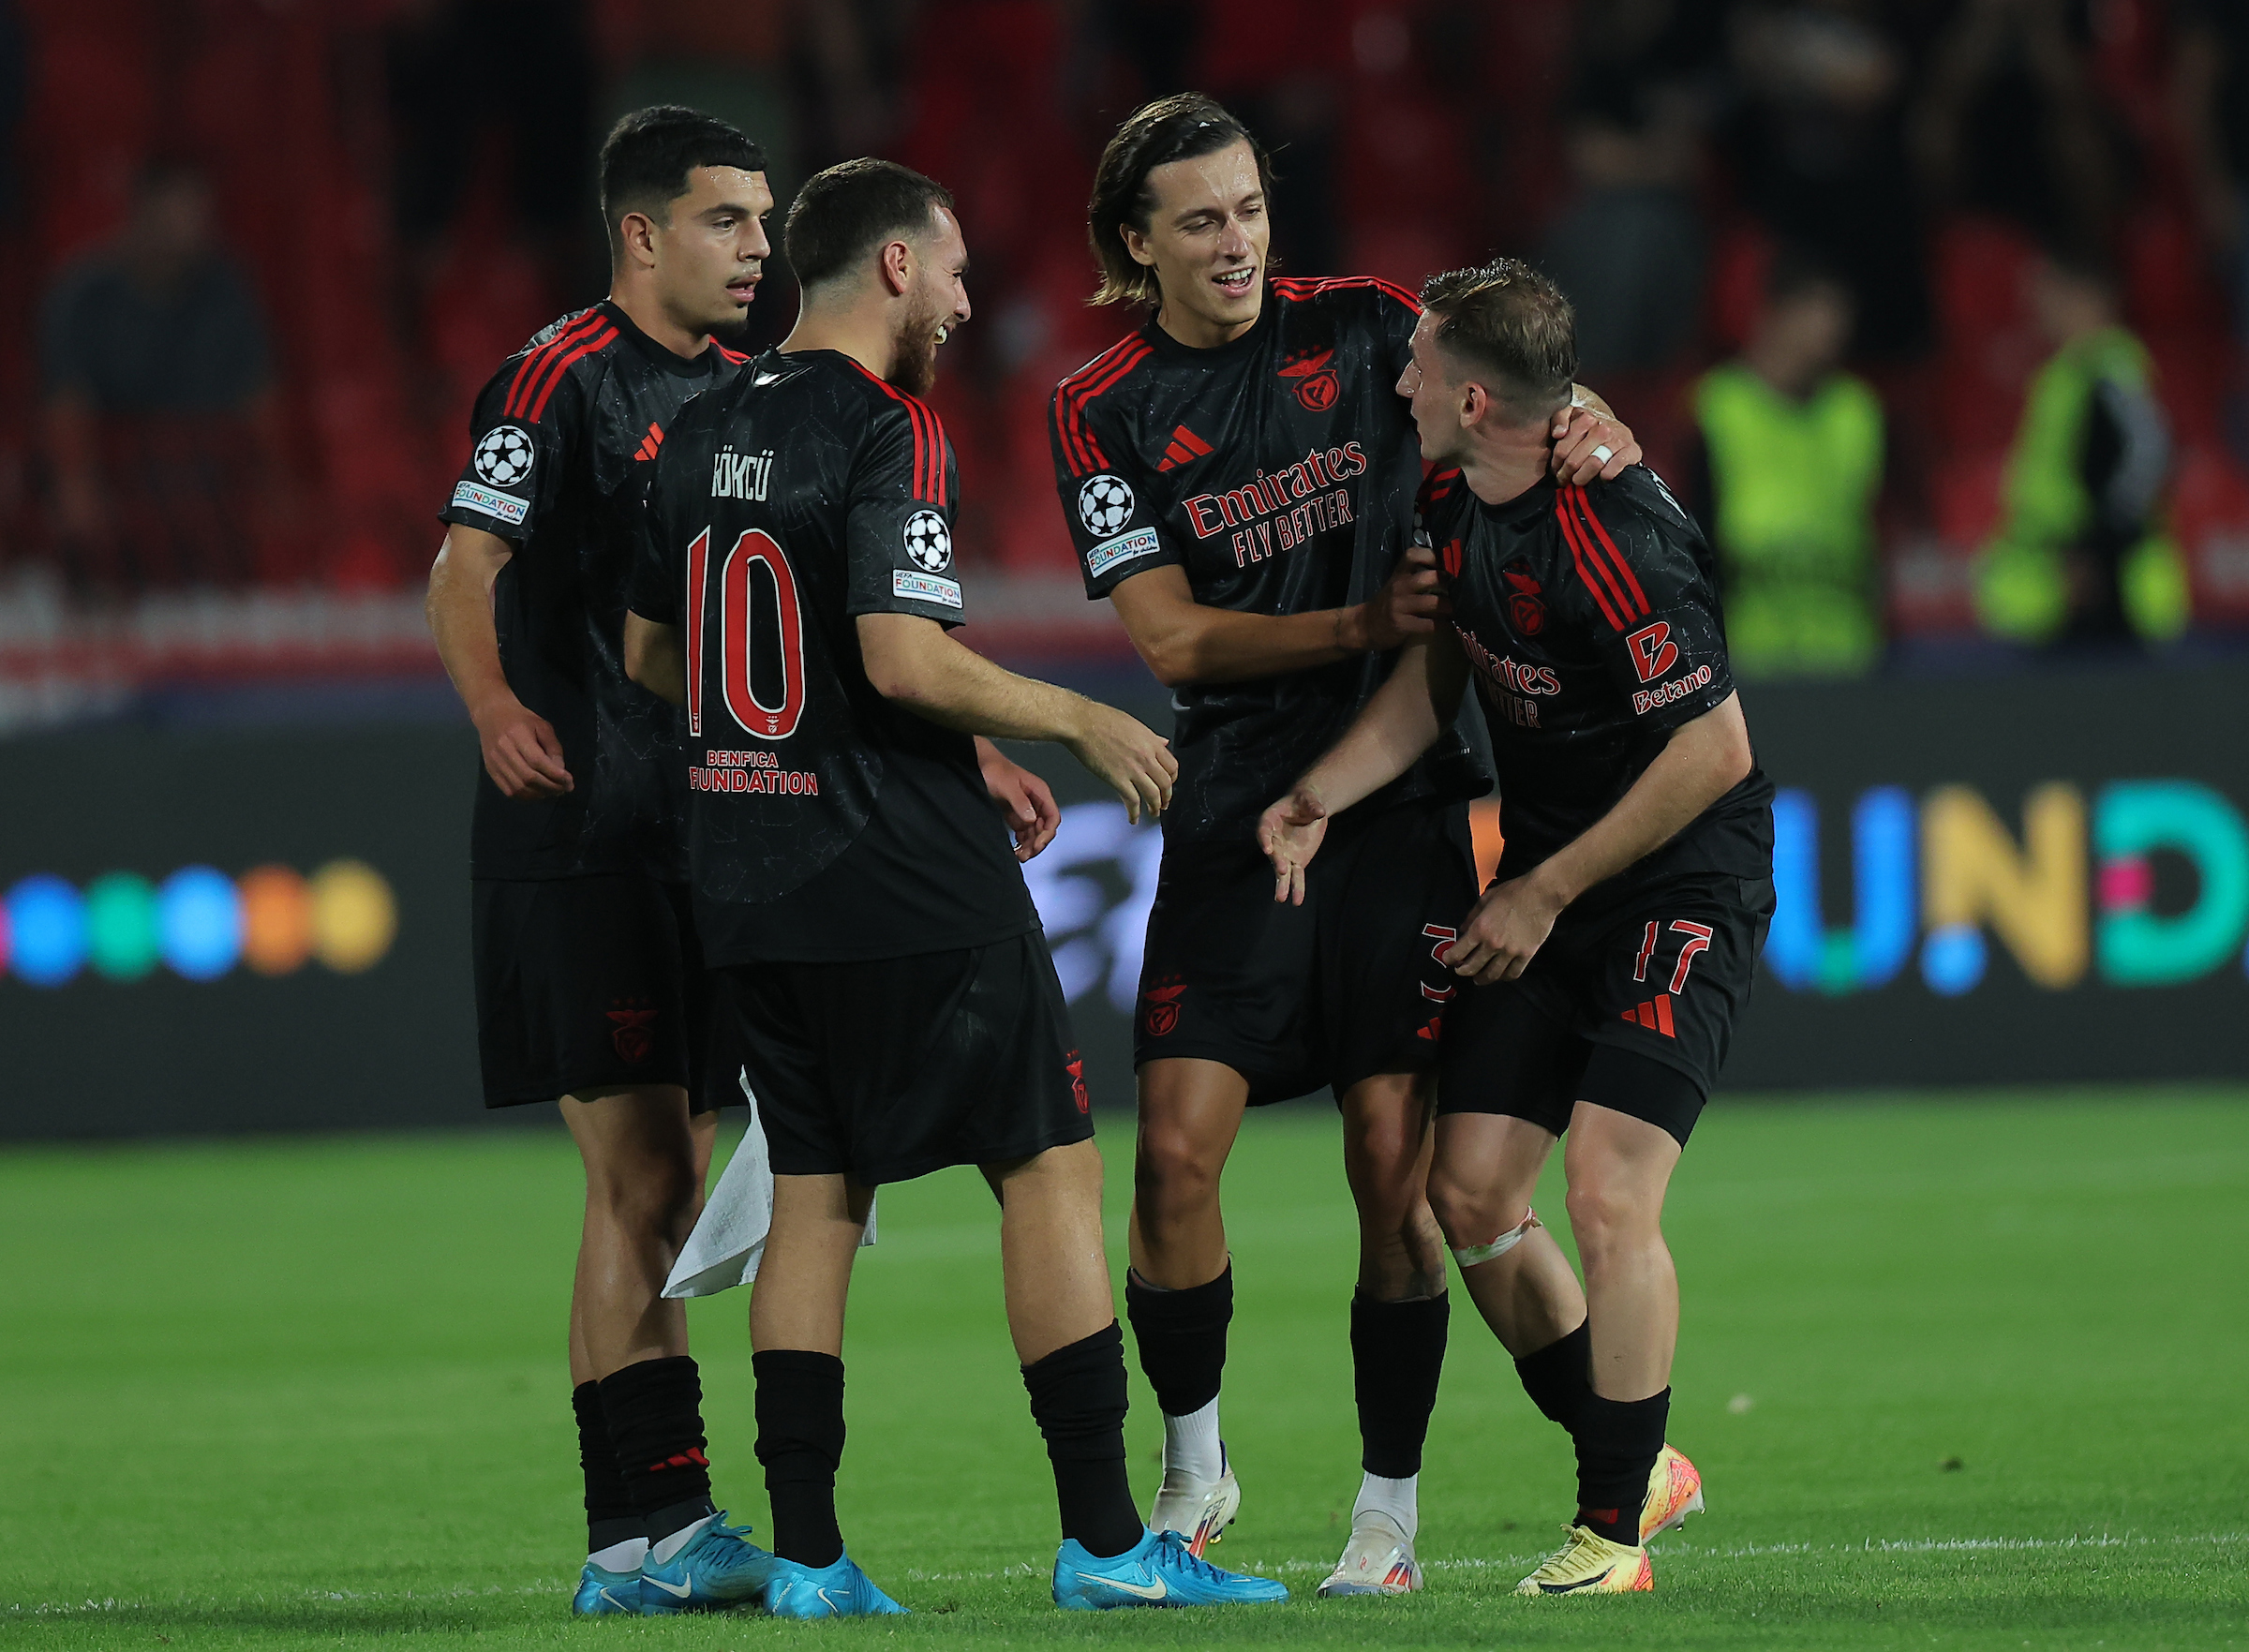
1469	1254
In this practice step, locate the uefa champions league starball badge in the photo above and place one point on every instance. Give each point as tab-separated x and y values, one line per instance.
929	542
503	459
1105	503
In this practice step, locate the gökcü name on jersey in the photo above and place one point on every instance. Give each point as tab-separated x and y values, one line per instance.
741	476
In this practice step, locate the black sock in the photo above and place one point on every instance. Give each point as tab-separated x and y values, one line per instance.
1558	1378
1617	1444
1182	1335
800	1441
609	1517
655	1414
1397	1354
1077	1398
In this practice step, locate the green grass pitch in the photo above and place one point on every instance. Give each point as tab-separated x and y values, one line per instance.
1965	1371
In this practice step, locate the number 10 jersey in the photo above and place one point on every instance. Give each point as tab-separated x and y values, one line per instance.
825	823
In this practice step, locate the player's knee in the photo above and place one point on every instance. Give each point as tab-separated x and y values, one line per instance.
654	1194
1471	1215
1172	1175
1605	1215
1383	1160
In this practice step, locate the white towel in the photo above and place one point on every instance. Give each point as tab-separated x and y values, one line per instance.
729	1240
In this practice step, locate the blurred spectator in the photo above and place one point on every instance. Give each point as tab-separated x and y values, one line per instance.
2211	99
160	418
1629	249
466	75
2081	555
15	97
2010	124
1791	460
855	59
1816	143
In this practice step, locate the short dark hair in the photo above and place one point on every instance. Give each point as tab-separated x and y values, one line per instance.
648	157
846	211
1179	127
1506	317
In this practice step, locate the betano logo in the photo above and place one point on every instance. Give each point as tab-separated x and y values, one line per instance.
198	922
2074	895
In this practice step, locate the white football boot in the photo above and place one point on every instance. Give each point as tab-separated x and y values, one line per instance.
1378	1560
1197	1510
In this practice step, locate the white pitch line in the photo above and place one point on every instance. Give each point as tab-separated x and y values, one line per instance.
1466	1563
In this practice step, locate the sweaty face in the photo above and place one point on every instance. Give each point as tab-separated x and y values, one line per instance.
711	254
1206	240
936	304
1429	384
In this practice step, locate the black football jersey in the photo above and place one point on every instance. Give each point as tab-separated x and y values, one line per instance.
1280	472
1592	629
564	438
825	823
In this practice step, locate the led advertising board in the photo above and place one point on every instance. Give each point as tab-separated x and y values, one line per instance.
2031	880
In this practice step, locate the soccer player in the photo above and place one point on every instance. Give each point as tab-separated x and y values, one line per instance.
587	973
1614	948
874	945
589	981
1240	480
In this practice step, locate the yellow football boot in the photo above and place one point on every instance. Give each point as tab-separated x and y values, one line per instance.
1591	1564
1675	1491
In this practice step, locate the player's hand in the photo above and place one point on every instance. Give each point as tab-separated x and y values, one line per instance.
523	754
1130	758
1408	605
1504	932
1290	833
1579	433
1024	801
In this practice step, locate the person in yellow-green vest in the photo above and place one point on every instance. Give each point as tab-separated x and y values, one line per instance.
2082	555
1791	460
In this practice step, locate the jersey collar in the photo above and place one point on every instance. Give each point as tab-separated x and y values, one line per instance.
1533	503
1167	345
658	356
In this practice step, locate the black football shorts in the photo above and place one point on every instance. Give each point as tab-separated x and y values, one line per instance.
1628	1005
591	983
1293	998
890	1069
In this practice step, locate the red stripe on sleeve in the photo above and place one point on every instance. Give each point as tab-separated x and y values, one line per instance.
1616	555
534	362
929	439
936	454
1297	287
1577	556
1079	447
1095	388
600	341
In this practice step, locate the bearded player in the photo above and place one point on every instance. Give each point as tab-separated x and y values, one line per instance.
1602	972
875	946
1238	481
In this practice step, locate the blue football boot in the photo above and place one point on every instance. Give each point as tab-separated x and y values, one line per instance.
602	1593
842	1590
718	1567
1158	1571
